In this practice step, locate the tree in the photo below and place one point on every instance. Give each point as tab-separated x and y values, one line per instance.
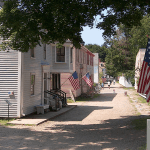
138	34
101	50
119	58
26	22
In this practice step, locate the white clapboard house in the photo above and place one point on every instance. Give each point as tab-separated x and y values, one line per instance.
25	76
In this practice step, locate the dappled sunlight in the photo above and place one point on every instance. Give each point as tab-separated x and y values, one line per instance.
110	133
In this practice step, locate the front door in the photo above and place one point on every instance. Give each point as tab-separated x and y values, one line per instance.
55	81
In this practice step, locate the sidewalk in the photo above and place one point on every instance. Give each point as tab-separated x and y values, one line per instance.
38	119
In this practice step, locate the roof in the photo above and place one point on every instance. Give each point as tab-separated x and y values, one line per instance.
89	52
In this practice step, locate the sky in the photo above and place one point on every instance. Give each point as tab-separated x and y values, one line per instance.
92	36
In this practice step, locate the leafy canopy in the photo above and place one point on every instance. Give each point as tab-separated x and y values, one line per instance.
26	22
101	50
123	48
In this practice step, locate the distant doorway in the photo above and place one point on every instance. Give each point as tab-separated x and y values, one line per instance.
55	81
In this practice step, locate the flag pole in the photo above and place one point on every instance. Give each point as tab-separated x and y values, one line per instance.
66	81
85	74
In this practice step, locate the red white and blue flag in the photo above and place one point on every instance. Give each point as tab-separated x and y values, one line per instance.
144	80
74	81
88	79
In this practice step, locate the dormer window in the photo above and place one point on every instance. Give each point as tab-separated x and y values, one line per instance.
60	54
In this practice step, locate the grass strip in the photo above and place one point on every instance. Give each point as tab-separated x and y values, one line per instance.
140	124
4	122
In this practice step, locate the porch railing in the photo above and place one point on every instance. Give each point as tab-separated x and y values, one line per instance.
62	94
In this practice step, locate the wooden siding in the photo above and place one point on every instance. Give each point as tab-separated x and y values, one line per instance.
33	65
8	82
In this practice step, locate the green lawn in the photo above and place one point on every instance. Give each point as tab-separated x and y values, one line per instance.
128	88
4	122
140	123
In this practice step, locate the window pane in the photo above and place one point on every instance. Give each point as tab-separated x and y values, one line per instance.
32	52
63	51
32	89
60	55
32	79
62	58
58	51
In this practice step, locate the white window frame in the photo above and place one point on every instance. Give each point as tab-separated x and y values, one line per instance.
33	84
56	55
33	53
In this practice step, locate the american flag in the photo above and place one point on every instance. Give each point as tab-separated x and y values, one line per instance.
74	81
144	80
88	79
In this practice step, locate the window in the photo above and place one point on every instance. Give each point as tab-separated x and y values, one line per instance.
71	52
32	52
44	45
32	84
60	54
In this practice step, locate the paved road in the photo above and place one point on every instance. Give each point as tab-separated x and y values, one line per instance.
100	124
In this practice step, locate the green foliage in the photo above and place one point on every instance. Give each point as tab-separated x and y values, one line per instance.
59	45
94	84
129	74
101	50
138	34
142	100
143	147
48	21
26	23
69	100
100	77
4	122
123	48
140	124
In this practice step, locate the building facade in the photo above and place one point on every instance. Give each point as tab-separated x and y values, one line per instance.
82	62
28	75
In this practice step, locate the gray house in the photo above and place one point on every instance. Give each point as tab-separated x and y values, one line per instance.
25	76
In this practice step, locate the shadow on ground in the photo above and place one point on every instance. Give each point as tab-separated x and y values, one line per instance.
116	133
